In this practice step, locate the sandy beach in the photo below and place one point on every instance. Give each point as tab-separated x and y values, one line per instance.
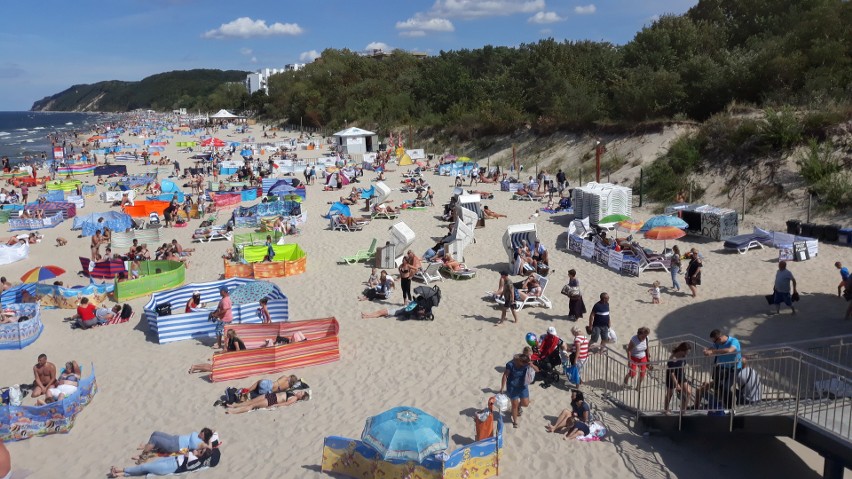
448	367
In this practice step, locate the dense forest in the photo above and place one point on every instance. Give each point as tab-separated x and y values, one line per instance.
759	52
203	90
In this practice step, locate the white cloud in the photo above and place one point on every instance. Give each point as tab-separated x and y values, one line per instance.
378	46
545	31
253	59
246	51
413	33
483	8
585	9
424	24
245	27
309	56
545	17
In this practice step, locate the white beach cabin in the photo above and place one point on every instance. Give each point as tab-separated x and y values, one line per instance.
513	237
462	237
383	191
356	141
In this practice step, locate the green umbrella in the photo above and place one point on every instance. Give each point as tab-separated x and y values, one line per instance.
613	219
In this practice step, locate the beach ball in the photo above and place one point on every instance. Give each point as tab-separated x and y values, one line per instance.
531	339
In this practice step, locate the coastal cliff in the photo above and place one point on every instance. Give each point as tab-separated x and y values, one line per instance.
163	91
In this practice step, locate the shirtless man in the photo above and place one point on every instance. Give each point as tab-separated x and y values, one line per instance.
95	246
45	376
4	284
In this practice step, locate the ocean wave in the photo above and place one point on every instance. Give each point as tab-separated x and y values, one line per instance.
21	129
38	128
4	133
70	123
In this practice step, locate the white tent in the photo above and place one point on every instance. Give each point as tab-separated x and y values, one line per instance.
224	114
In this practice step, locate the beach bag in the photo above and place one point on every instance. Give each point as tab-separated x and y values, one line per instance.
573	374
529	377
501	402
164	309
612	337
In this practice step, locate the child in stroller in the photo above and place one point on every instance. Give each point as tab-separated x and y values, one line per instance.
547	358
421	308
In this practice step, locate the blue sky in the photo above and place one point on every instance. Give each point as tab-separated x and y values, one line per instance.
48	45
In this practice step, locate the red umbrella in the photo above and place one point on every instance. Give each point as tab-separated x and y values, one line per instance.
212	141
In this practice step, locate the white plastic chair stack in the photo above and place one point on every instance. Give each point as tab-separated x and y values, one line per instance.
597	200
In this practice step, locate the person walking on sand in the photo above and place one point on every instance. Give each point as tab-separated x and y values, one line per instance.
783	278
844	277
506	290
693	271
599	322
675	267
515	385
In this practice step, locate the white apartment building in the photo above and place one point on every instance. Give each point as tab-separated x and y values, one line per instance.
260	80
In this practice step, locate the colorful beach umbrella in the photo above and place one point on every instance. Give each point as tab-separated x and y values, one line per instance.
406	433
615	218
663	220
665	233
251	292
629	226
42	273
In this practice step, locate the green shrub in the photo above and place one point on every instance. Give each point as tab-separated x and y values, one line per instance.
780	130
669	173
826	175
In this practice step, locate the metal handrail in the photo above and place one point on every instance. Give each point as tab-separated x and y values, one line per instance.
792	384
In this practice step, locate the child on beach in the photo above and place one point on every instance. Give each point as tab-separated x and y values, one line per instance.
655	293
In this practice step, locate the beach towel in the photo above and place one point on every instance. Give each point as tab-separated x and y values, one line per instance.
597	431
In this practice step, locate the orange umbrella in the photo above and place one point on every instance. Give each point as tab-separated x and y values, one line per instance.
96	137
664	233
629	226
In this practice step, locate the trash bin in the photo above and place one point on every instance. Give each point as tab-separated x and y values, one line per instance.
845	236
807	230
817	232
484	421
831	232
794	227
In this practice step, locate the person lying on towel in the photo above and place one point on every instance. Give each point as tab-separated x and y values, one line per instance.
191	461
271	400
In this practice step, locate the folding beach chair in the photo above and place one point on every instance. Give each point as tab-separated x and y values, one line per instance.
432	273
361	255
463	273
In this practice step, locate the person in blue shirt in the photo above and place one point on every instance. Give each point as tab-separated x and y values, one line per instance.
515	385
844	277
727	362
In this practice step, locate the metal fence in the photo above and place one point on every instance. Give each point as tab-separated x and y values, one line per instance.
774	381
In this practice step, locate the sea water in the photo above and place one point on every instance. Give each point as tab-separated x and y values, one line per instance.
25	132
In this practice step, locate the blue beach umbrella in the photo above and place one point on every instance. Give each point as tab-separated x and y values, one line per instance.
339	208
245	153
663	220
405	433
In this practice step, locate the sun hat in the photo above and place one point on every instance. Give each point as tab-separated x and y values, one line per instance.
551	330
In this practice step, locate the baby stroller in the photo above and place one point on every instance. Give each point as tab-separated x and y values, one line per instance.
426	299
548	372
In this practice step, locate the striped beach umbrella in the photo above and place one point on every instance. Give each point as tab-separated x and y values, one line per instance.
42	273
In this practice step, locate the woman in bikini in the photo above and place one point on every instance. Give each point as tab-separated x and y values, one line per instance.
285	398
